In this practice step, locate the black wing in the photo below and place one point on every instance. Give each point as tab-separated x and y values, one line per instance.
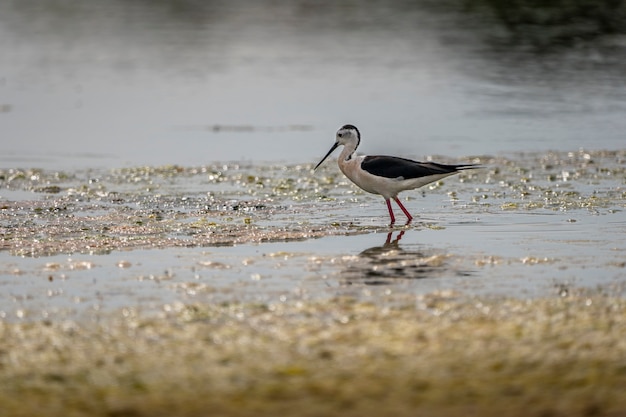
394	167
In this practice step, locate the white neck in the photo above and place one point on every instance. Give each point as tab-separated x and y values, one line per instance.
347	151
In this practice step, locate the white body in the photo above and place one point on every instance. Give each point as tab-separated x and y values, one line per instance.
350	164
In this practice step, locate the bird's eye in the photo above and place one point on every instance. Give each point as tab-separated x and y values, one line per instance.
340	134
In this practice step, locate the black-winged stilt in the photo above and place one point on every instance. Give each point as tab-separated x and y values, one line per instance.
386	175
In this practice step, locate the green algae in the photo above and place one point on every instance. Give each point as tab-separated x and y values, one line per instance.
168	206
437	355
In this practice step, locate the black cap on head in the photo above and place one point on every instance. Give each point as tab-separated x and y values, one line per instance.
353	127
358	134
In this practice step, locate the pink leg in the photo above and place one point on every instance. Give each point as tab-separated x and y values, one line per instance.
405	211
393	219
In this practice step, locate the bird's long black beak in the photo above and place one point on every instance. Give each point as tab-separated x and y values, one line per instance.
327	155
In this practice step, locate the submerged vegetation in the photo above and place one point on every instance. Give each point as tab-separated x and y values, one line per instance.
155	207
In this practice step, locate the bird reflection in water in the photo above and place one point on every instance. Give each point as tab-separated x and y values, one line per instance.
386	264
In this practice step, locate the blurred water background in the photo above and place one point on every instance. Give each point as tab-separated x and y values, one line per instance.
87	83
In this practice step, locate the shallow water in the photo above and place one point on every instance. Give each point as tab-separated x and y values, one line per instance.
465	257
88	242
87	84
179	142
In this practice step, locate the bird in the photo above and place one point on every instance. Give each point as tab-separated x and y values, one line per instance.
386	175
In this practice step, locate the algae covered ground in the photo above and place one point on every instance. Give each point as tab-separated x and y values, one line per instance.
436	357
50	212
238	290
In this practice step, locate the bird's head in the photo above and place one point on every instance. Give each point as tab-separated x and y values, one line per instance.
347	135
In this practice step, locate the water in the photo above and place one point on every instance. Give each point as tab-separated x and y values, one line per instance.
549	257
107	85
89	87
